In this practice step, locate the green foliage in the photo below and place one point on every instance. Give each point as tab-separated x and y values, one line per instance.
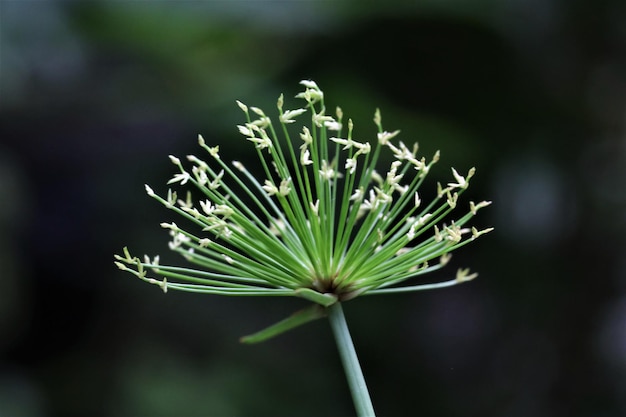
323	225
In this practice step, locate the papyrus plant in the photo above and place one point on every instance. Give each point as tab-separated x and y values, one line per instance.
323	222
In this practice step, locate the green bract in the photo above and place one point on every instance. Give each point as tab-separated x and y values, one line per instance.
321	223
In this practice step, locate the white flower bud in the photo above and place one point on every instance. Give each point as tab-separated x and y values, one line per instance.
270	188
309	84
242	106
174	160
289	115
149	190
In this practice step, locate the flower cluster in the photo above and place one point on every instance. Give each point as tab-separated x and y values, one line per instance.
322	223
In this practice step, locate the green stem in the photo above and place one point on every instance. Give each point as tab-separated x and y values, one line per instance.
356	381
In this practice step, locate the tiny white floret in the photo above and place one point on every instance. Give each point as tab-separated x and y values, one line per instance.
149	190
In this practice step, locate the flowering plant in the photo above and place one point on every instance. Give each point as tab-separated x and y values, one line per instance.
322	224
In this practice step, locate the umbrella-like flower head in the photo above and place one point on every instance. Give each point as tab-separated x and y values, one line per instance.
319	223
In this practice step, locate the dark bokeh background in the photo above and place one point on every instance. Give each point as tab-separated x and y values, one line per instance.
95	95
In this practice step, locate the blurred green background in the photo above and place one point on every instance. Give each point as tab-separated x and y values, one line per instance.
95	94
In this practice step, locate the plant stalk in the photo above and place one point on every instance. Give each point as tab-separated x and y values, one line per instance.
352	368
